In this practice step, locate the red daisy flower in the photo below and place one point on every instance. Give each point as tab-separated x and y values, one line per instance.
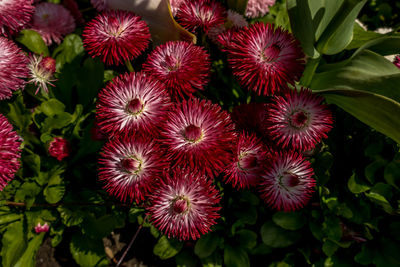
116	36
202	14
265	59
245	170
397	61
10	152
53	22
59	148
251	117
129	166
298	120
13	68
184	205
132	102
258	8
183	67
199	135
287	183
14	15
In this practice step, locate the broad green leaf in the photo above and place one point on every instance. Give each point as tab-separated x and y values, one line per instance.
167	248
90	80
33	162
329	248
246	215
331	227
365	256
261	249
58	121
33	41
70	217
277	237
355	186
68	50
238	5
246	239
158	16
13	244
19	115
289	220
88	252
28	259
235	257
361	36
52	107
375	110
387	45
380	200
392	174
97	228
55	189
323	12
339	32
9	218
27	193
186	259
206	245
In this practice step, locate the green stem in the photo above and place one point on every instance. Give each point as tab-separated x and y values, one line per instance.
128	64
309	71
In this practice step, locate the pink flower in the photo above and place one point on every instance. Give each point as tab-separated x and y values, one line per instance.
132	102
265	59
42	228
200	136
201	14
184	205
53	22
183	67
10	152
13	68
129	166
41	72
244	171
59	148
174	4
116	36
287	182
14	15
73	8
397	61
298	120
258	8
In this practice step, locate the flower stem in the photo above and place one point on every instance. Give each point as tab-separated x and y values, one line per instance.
131	243
128	64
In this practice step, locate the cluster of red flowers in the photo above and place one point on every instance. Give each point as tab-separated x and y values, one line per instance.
166	147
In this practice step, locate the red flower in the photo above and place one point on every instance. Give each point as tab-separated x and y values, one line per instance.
53	22
42	228
199	135
397	61
59	148
245	170
202	14
10	152
265	59
287	183
298	120
13	68
181	66
132	102
14	15
41	72
116	36
129	166
184	205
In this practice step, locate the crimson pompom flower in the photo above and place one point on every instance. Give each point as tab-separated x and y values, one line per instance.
14	14
184	205
13	68
174	4
132	102
10	152
258	8
265	59
397	61
129	166
245	170
116	36
202	14
199	135
297	119
42	228
183	67
41	72
59	148
287	182
53	22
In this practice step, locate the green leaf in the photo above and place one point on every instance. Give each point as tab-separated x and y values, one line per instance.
392	174
167	248
329	248
380	200
277	237
365	256
28	259
238	5
68	50
246	215
13	244
339	32
33	162
58	121
206	245
52	107
33	41
6	218
88	252
246	239
99	227
90	80
235	257
361	36
70	217
27	193
261	249
372	168
331	227
19	115
289	220
387	45
355	186
186	259
55	189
